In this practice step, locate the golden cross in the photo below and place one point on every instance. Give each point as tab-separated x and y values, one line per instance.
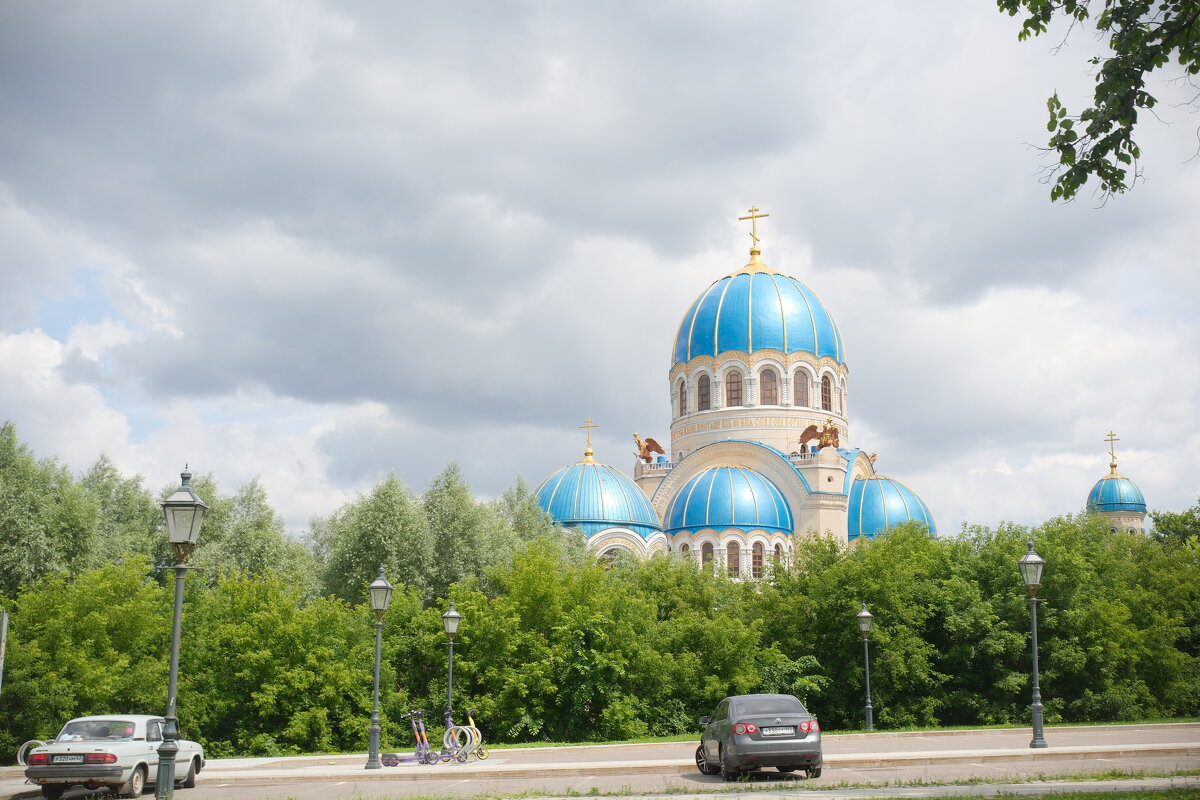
754	218
1112	437
587	423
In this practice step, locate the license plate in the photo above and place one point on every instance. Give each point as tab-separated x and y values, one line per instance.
778	731
69	759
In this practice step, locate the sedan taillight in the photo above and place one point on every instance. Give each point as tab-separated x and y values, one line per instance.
810	726
745	727
100	758
39	758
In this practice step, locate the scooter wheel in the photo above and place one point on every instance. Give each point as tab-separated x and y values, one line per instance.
481	754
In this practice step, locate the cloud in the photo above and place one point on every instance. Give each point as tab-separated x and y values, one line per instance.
318	243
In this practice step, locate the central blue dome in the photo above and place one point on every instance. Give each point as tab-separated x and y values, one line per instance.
728	497
757	308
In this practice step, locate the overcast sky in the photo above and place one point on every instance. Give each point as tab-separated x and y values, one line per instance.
317	242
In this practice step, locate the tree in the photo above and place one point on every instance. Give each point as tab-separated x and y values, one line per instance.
47	522
1177	529
1142	36
468	537
130	521
384	528
251	538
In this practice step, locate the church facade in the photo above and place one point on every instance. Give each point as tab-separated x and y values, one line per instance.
759	454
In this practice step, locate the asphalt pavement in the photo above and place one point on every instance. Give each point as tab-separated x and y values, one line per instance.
890	763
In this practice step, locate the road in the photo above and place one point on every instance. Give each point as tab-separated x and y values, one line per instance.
878	759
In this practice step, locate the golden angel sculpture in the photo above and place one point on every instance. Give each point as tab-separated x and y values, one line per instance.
647	448
826	436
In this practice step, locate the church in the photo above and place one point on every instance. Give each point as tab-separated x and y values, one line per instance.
760	453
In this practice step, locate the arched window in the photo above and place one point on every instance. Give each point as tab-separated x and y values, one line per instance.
733	389
769	383
733	558
685	549
756	560
778	554
706	553
826	394
703	395
682	398
800	388
840	409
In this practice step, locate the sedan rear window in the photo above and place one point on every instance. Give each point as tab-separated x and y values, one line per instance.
780	704
79	730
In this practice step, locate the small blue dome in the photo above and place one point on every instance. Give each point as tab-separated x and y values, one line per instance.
878	503
1116	493
728	497
757	309
593	497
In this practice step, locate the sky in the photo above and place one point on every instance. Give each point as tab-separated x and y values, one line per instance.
316	243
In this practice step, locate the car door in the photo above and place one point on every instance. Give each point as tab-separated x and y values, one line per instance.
713	731
154	738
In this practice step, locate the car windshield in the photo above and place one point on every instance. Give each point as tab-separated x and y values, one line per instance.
80	729
779	704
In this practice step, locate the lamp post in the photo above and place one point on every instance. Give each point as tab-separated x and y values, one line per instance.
1031	566
450	622
865	619
381	596
184	511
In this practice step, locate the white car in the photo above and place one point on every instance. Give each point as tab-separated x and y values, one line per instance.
115	750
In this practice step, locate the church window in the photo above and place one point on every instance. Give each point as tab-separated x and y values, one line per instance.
706	553
756	560
826	394
733	558
682	398
770	388
733	389
801	388
703	395
840	410
685	549
778	554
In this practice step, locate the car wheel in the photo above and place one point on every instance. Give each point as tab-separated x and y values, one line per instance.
814	773
729	772
189	780
135	785
53	790
703	765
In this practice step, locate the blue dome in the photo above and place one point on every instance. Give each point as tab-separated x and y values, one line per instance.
757	309
728	497
878	503
593	497
1116	493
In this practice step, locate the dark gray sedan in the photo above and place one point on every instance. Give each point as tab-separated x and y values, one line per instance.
749	731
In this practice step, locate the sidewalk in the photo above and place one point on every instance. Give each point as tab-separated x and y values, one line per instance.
848	752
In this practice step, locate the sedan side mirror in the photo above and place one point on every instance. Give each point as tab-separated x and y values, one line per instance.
704	720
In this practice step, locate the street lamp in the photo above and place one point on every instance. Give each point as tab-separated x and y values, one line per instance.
1031	566
450	622
381	595
865	619
184	511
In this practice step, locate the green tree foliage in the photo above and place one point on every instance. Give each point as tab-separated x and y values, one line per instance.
1142	36
91	644
245	534
129	521
386	527
1181	529
48	523
469	537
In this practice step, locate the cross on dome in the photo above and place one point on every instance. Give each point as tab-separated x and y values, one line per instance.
587	423
754	217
